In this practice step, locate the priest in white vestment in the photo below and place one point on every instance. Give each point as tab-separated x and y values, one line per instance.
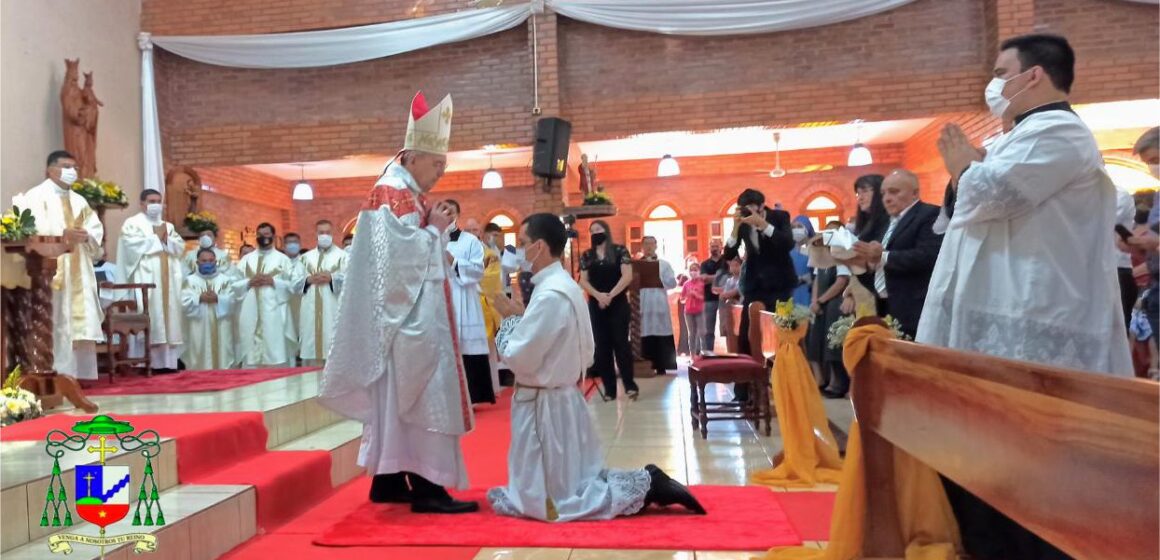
76	305
208	240
149	252
465	259
656	317
1027	269
396	367
556	466
209	300
325	269
292	248
265	281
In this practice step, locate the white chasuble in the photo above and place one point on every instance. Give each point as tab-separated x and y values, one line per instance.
556	462
209	335
144	258
395	366
224	266
466	273
1027	268
265	332
76	305
319	307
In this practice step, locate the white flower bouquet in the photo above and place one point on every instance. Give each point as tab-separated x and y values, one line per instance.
836	336
17	404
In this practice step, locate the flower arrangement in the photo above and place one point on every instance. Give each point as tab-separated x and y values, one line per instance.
198	222
836	336
788	316
17	404
17	224
598	198
101	193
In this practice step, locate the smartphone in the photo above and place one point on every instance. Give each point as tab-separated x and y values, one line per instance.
1123	232
745	213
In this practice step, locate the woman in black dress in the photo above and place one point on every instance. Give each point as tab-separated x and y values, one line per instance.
829	283
605	274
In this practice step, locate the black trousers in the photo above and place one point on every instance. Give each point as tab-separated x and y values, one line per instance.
741	392
1129	291
610	331
478	371
989	535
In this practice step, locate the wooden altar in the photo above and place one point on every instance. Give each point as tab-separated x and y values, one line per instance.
27	328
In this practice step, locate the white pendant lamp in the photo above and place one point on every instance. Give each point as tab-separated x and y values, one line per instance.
668	167
492	179
303	190
859	154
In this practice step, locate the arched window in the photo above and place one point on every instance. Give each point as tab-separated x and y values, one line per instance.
822	209
664	223
662	212
508	226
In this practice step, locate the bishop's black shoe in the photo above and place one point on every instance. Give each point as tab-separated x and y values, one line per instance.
429	497
390	489
664	491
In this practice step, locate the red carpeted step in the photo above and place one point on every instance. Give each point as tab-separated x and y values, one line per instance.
200	381
287	483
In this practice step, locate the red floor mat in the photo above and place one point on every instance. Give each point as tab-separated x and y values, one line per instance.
287	483
809	512
190	381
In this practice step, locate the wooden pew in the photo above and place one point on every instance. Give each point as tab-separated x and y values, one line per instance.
1072	456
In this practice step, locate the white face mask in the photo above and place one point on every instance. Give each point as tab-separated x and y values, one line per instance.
68	175
1155	169
799	234
205	241
153	211
325	240
525	264
994	95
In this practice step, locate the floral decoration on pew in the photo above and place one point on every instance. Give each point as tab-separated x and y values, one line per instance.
17	225
789	316
203	220
100	193
836	336
17	404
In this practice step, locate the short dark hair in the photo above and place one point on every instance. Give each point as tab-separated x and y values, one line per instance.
57	156
1050	52
454	204
751	196
549	228
323	221
206	250
273	230
1150	139
290	234
145	193
491	227
647	237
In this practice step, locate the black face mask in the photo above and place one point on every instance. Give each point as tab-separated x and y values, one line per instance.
265	241
599	238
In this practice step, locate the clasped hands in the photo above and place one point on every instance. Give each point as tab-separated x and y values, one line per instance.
261	280
957	151
504	305
209	297
319	278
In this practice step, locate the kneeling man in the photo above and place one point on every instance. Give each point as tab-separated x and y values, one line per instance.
555	466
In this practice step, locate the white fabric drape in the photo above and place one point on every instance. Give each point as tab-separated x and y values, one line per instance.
154	172
727	17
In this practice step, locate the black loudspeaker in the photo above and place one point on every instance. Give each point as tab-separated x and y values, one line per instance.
550	153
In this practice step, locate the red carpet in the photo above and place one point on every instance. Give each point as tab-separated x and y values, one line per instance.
286	482
809	512
190	381
740	518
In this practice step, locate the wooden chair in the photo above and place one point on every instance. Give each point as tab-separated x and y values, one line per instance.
704	371
125	318
1072	456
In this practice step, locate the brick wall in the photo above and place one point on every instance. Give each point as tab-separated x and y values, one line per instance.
217	17
241	199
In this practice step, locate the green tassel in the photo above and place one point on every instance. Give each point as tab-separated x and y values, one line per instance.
141	495
160	517
55	521
67	518
148	520
153	496
56	467
49	496
63	497
137	519
148	466
44	519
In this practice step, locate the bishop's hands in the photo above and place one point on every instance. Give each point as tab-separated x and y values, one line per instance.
957	151
440	215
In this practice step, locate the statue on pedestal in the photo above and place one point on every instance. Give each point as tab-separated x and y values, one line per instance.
80	110
587	177
182	189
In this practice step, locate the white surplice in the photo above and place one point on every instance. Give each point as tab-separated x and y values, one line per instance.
295	305
395	367
466	273
76	305
556	462
319	307
656	319
143	258
265	330
1027	269
209	338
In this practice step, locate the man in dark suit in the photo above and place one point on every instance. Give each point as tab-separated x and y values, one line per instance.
768	274
903	261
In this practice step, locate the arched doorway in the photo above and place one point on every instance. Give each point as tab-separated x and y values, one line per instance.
663	223
508	225
822	209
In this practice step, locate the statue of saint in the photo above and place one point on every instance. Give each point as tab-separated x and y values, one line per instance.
72	104
90	113
587	176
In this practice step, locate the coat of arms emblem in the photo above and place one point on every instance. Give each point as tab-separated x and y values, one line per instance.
103	492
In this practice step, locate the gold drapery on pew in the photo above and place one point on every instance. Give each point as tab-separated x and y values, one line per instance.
924	514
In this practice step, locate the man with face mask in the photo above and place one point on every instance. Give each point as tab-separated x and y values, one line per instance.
149	252
397	367
465	258
292	248
208	299
265	281
208	240
76	307
325	269
556	470
712	270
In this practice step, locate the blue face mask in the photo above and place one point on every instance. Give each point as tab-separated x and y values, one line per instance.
207	269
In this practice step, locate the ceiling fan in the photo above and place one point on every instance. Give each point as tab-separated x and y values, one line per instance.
778	171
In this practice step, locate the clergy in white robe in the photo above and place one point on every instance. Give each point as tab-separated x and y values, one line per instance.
149	252
265	282
292	248
208	300
76	306
556	466
325	269
656	318
396	367
466	271
207	240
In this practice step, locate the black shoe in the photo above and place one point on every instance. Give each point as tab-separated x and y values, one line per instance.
833	394
664	491
432	498
632	394
390	489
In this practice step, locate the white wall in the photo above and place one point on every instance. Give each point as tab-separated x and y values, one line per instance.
35	38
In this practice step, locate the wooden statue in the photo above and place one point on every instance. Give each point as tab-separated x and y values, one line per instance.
587	176
90	113
72	104
182	189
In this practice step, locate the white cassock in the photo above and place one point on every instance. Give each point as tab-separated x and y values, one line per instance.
319	307
556	462
142	258
1027	268
76	305
295	309
224	266
465	274
209	338
395	367
655	317
265	331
